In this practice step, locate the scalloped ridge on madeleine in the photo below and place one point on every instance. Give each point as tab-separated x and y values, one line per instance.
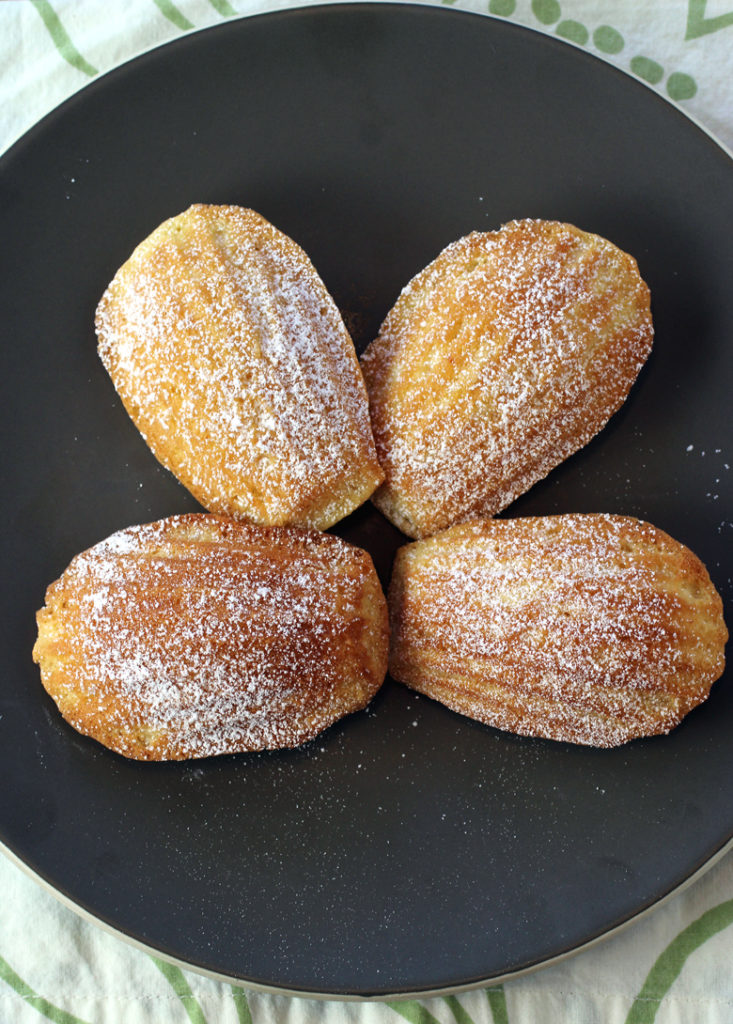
593	629
234	363
198	635
505	355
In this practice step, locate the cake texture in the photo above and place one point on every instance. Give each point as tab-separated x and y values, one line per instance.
505	355
199	635
234	363
593	629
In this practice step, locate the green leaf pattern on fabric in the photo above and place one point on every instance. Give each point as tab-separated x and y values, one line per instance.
413	1011
26	993
700	25
177	980
608	40
241	1005
497	1004
61	39
174	16
223	7
669	964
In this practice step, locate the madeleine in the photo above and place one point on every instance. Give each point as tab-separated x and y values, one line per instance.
198	635
235	365
505	355
593	629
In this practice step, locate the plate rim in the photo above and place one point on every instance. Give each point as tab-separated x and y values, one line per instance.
298	6
382	997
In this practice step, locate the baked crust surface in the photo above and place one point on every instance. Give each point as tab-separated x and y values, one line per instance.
234	363
593	629
505	355
198	635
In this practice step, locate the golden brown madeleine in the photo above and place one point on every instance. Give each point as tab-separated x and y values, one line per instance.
593	629
234	363
500	359
198	635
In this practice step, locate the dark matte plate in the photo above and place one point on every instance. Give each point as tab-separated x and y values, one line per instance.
406	849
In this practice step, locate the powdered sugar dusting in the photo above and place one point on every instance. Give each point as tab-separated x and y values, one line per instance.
593	629
233	361
500	359
197	636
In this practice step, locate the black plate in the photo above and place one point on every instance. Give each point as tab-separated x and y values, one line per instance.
407	849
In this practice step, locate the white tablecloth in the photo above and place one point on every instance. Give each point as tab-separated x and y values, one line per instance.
672	966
